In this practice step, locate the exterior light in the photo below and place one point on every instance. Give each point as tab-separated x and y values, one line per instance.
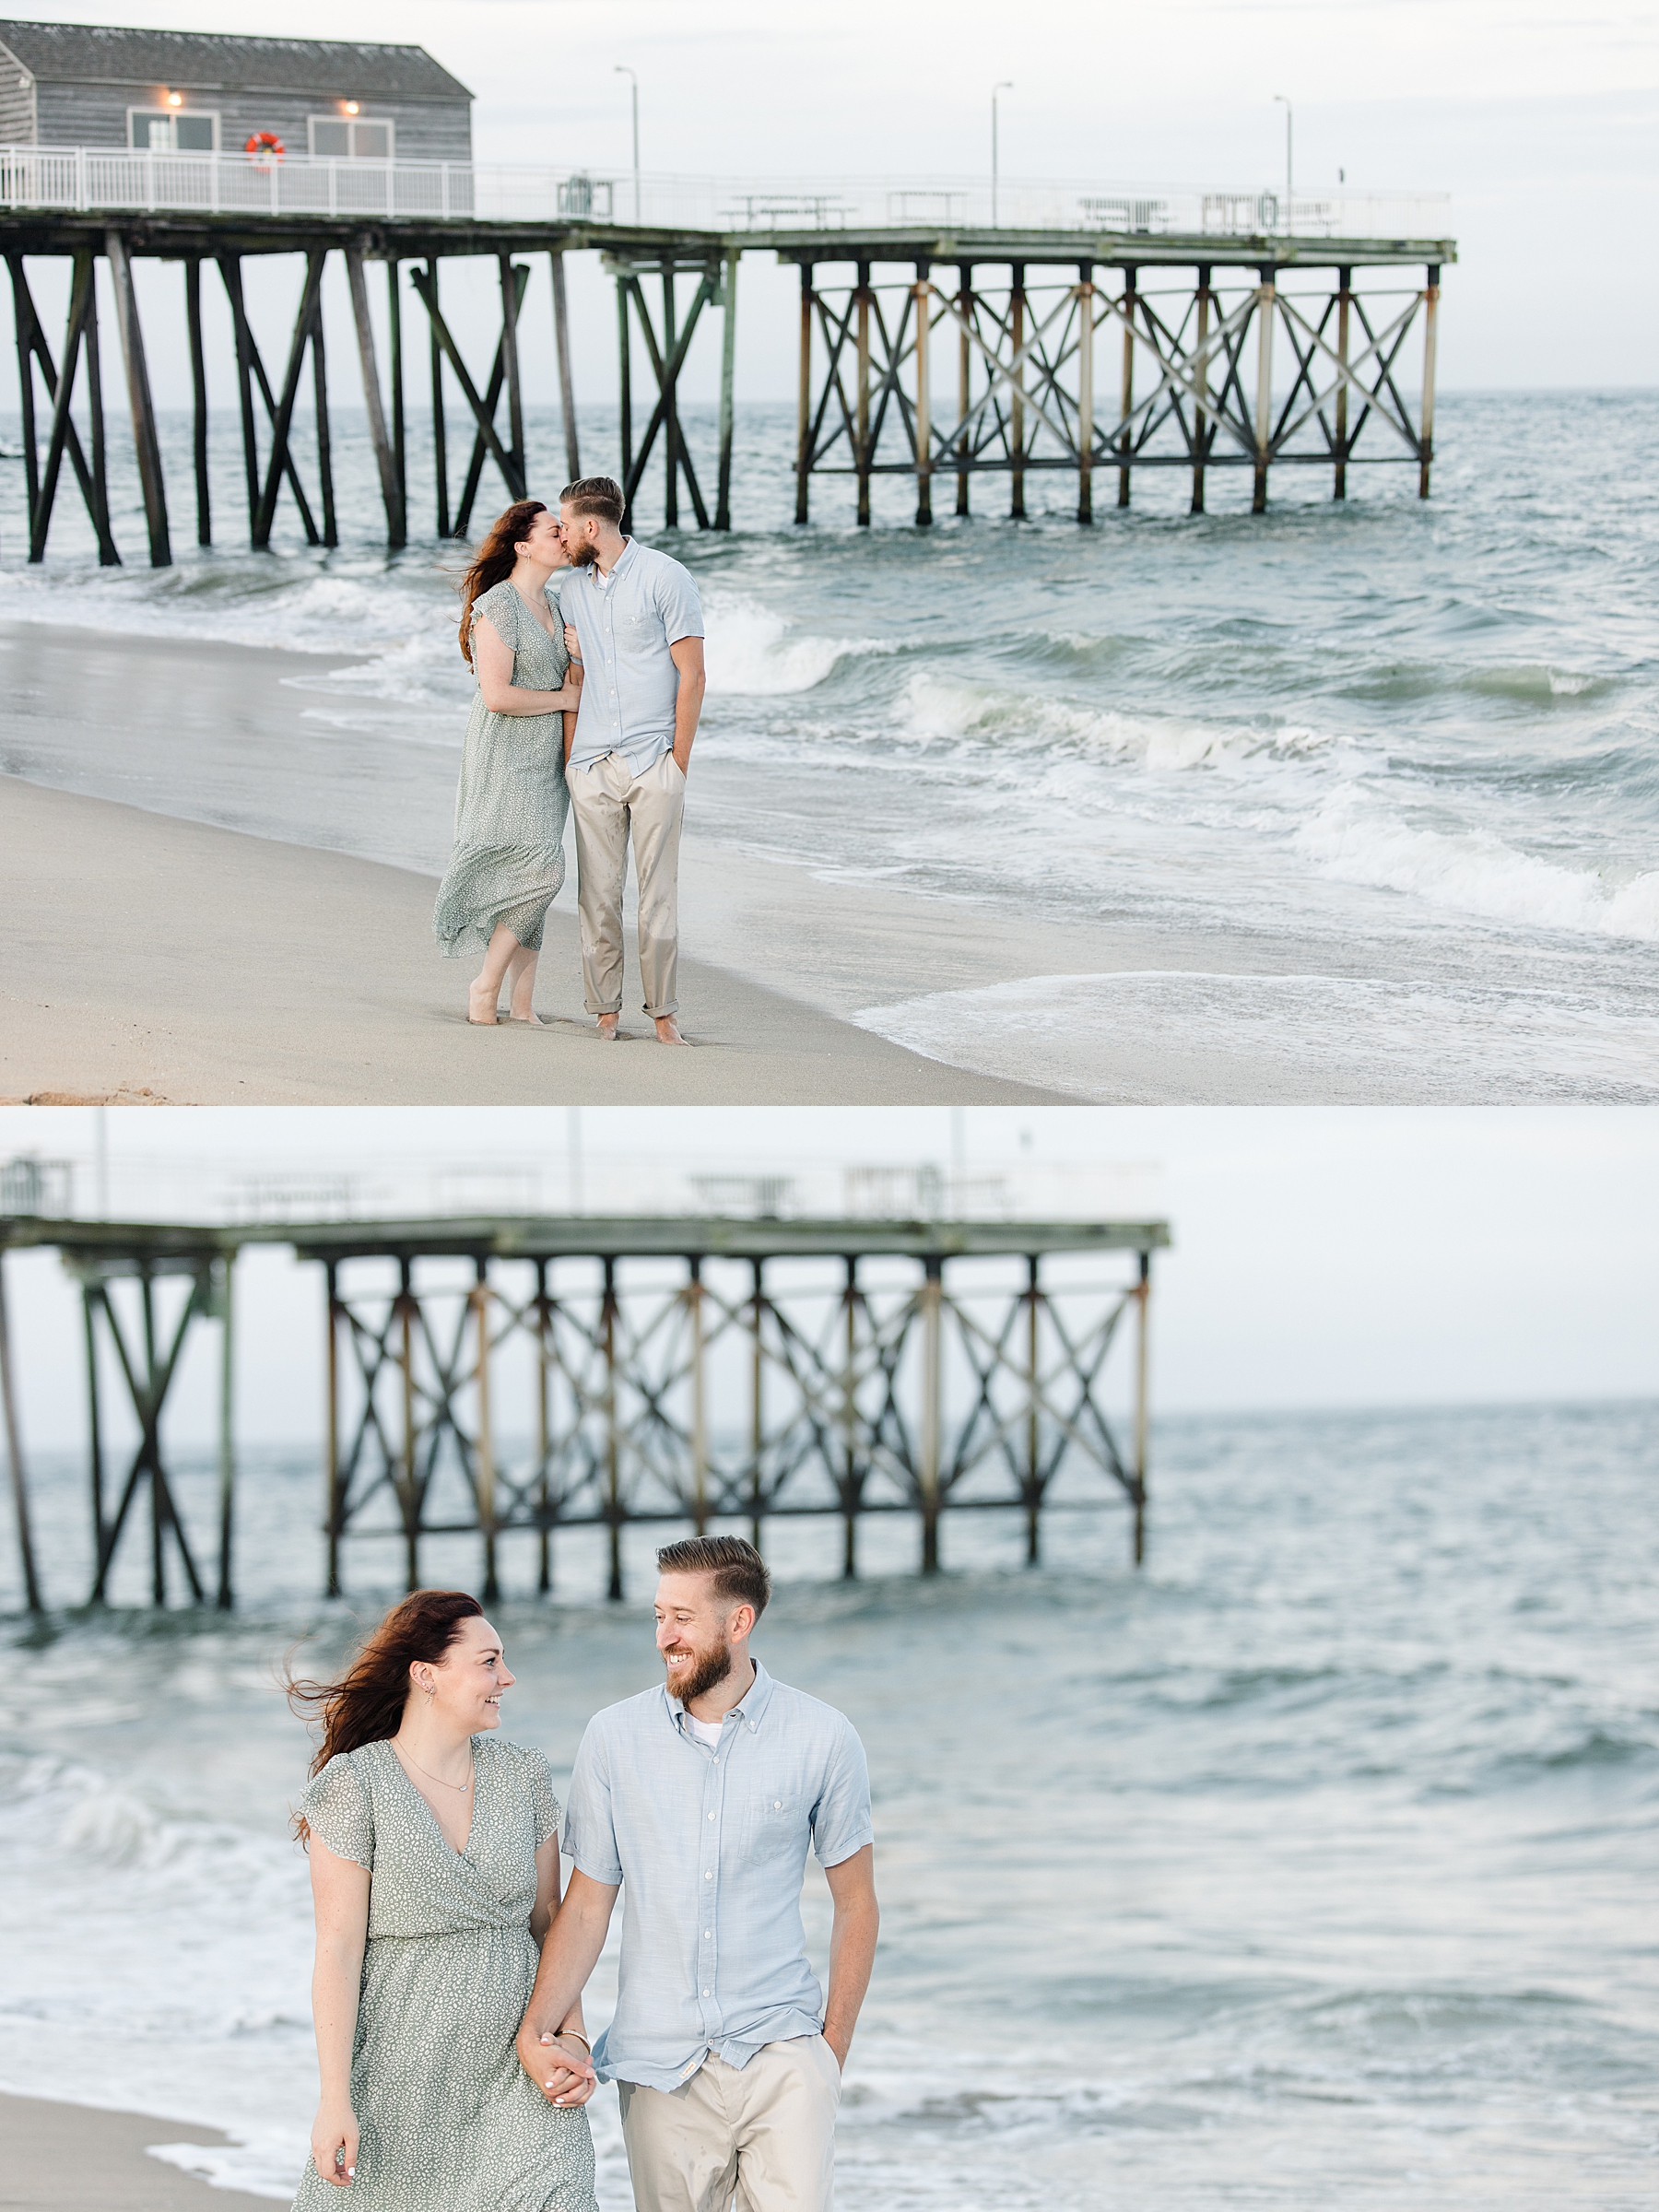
175	99
351	106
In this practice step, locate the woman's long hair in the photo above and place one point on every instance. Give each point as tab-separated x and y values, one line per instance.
366	1704
494	561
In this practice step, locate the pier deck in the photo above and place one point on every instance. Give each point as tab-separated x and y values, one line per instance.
1186	330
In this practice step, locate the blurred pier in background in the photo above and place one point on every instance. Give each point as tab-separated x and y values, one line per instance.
510	1375
946	332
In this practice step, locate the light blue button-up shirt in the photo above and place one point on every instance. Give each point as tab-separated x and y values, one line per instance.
626	623
710	1847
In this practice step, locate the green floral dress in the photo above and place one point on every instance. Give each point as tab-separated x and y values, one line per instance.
508	862
448	2121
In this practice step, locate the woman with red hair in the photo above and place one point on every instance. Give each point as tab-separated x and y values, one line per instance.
508	861
434	1866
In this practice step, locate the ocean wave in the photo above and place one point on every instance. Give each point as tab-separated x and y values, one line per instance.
1351	840
753	652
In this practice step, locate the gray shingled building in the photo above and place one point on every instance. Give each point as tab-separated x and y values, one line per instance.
72	83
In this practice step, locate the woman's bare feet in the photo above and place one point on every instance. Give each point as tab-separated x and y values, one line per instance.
668	1031
532	1020
481	1004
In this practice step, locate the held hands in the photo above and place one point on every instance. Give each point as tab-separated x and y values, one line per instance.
562	2071
334	2143
573	642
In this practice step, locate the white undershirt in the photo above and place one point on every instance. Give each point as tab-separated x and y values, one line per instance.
706	1731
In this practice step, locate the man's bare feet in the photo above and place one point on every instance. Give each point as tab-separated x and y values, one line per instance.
608	1027
481	1004
668	1031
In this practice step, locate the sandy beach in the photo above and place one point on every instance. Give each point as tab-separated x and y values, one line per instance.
252	923
149	960
70	2158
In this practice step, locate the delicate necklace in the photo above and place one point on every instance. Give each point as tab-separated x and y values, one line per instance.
437	1778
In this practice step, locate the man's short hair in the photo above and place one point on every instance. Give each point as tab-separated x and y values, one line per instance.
739	1573
595	495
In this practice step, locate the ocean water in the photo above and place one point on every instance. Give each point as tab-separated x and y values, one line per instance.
1378	782
1312	1866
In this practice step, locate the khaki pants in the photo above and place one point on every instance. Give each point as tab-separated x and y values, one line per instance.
610	803
764	2133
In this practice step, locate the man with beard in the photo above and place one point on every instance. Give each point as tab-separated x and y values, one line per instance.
703	1796
633	620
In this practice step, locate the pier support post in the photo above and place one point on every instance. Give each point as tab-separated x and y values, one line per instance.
280	462
728	377
613	1434
440	439
700	1409
625	393
230	273
1266	304
1143	1295
513	293
385	461
23	330
758	1404
1430	335
804	399
924	297
395	369
485	1447
670	405
331	528
145	443
861	459
223	1275
931	1299
13	1455
1126	396
1017	307
82	329
1033	1481
544	1432
1344	302
964	370
337	1495
1086	327
198	387
94	1424
410	1498
851	1477
566	383
1201	392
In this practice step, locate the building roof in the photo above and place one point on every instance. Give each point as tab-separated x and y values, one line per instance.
204	61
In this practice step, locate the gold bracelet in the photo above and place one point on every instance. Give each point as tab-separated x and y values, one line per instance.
578	2034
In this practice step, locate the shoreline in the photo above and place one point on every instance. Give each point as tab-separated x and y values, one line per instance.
306	823
107	2167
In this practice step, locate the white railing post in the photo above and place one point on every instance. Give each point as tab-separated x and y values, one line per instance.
81	200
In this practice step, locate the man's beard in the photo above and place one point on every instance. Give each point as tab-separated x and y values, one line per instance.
585	555
705	1670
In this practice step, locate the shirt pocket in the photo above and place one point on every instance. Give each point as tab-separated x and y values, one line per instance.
774	1826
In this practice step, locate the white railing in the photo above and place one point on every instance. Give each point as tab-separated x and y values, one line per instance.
84	178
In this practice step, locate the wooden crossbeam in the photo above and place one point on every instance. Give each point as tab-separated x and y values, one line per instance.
146	445
487	440
62	435
280	462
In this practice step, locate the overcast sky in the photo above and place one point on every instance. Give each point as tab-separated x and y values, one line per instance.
1321	1257
1541	120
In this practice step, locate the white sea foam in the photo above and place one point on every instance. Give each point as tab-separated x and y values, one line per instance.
753	652
1353	840
1252	1038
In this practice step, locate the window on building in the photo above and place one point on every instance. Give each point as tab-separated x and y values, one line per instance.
346	139
166	131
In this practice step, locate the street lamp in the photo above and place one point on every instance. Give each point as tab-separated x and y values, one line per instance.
623	70
1006	86
1279	101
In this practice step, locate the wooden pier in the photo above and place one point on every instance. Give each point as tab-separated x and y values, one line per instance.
509	1378
1098	351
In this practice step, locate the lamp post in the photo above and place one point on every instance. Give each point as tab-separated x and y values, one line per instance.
623	70
1279	101
1006	86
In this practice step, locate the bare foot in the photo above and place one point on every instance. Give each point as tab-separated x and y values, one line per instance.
668	1031
532	1020
481	1005
608	1027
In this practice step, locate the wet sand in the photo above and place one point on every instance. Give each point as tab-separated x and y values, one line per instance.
147	959
70	2158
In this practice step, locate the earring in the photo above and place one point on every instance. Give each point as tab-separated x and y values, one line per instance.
431	1693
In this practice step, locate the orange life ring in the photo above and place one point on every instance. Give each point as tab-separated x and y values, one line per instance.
266	142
